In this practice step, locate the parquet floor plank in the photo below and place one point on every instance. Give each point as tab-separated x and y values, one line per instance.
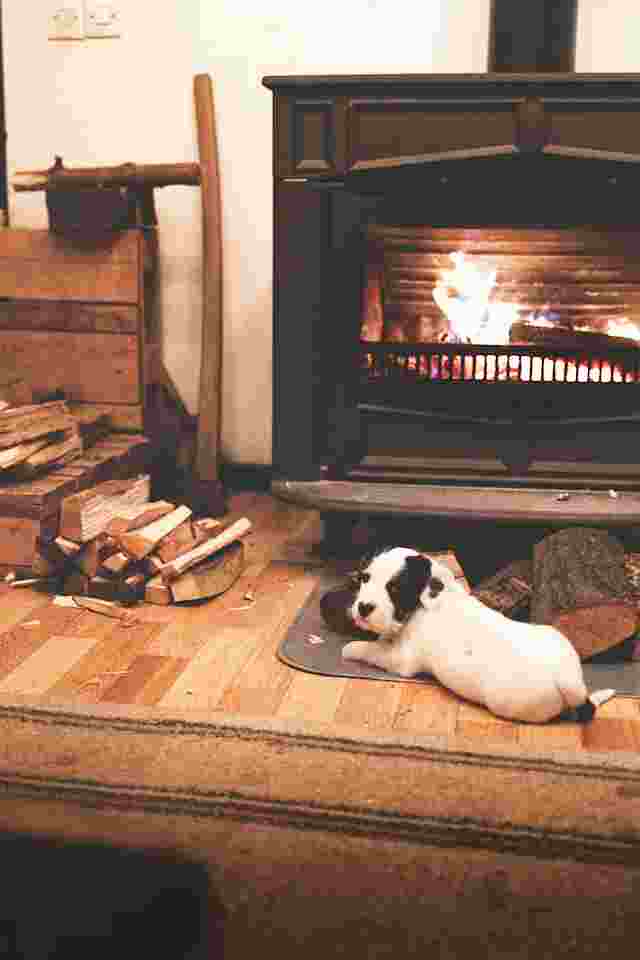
221	656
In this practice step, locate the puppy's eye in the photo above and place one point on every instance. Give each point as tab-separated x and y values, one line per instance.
358	577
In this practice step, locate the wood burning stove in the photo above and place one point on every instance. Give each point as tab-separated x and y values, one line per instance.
381	182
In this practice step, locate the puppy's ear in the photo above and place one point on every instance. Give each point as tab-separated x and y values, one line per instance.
419	571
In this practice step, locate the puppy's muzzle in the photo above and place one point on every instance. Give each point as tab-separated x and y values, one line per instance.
364	609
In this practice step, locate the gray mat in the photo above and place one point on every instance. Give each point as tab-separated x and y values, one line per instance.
311	645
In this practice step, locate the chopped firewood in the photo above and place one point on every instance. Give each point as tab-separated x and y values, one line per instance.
141	542
509	590
12	456
67	447
116	563
92	424
211	577
92	554
580	586
207	523
153	564
69	547
30	421
86	514
135	518
156	591
184	538
28	581
568	339
178	566
106	608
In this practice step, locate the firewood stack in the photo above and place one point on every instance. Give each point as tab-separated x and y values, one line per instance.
578	579
76	510
115	544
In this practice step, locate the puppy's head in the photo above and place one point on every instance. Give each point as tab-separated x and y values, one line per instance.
392	585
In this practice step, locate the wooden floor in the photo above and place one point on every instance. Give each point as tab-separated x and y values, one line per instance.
220	656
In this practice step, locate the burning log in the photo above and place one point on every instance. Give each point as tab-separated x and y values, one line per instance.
580	586
563	338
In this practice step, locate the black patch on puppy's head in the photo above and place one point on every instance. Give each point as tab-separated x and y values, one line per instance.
406	586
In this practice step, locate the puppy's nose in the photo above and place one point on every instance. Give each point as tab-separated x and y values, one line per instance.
364	609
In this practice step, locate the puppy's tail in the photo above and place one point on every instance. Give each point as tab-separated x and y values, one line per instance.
585	712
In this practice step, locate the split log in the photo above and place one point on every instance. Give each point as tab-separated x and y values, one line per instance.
184	538
138	517
84	515
563	338
141	542
69	547
64	449
170	571
580	587
12	456
212	577
157	591
509	590
28	422
116	563
90	556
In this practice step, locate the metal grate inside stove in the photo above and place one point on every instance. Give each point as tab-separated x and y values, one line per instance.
472	363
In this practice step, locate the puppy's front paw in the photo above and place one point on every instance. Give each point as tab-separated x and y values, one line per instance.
356	650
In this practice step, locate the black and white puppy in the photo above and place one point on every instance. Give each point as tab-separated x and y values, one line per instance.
426	622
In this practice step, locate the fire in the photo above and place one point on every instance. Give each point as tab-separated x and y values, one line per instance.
464	296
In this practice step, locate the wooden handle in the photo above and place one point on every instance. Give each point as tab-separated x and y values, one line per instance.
208	439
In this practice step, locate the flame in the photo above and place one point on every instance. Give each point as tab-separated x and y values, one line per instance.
471	315
464	296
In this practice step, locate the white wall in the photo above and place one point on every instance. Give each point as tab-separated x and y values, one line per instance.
608	36
107	101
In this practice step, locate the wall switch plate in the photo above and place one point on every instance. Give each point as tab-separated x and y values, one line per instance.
66	20
102	18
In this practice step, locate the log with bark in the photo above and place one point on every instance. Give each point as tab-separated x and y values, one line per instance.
509	590
563	338
581	586
132	175
171	571
211	577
